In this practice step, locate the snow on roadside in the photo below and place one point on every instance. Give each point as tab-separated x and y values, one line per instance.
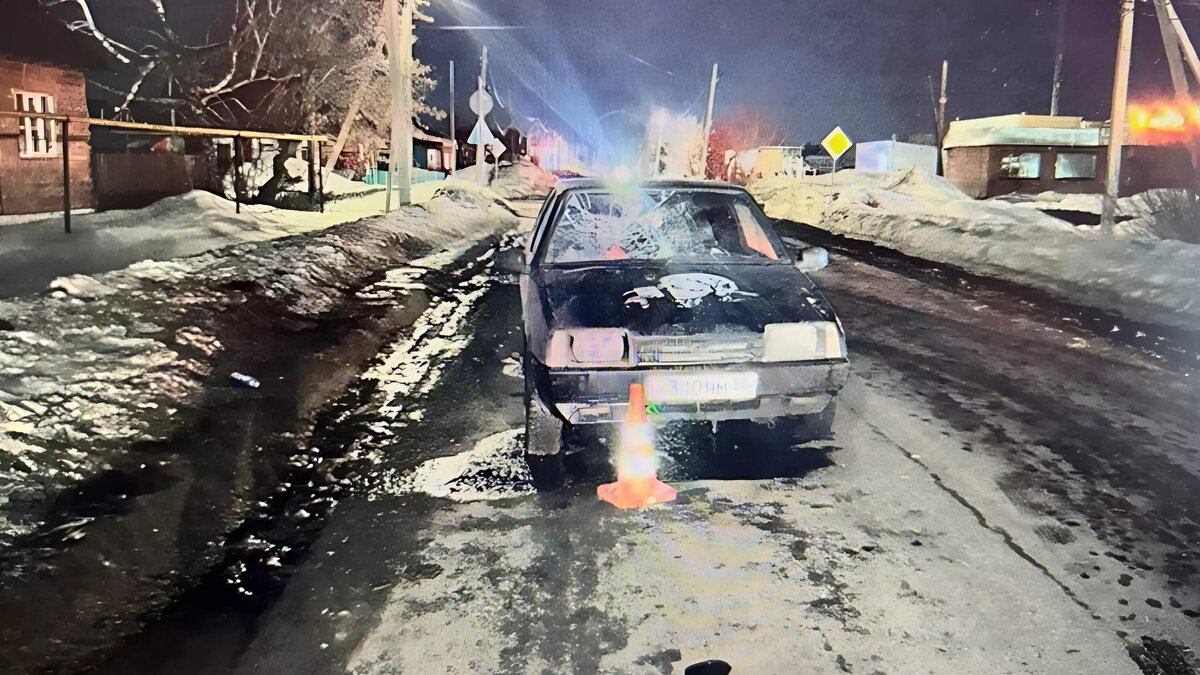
493	469
521	180
1153	214
85	373
924	216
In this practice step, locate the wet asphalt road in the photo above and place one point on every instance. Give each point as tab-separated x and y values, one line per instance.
1007	490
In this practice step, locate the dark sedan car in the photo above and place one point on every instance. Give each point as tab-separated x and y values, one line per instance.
682	287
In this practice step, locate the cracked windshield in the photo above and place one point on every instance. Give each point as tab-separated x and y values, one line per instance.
368	337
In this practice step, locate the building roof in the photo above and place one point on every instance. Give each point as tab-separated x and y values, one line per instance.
1023	129
29	33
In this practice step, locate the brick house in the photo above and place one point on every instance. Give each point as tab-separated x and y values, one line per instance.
1039	153
42	67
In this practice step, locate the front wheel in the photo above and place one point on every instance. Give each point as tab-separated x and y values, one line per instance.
543	437
547	472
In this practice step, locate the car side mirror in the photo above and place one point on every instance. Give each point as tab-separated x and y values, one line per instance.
813	259
511	260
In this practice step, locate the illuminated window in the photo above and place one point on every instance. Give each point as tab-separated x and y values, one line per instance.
1075	165
1027	165
38	135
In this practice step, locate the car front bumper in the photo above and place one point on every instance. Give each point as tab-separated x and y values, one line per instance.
602	396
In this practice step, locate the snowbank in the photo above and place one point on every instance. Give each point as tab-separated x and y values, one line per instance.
925	216
1154	214
102	363
523	180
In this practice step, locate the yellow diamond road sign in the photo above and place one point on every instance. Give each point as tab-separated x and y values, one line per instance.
837	143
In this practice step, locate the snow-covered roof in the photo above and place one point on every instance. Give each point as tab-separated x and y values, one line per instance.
1022	129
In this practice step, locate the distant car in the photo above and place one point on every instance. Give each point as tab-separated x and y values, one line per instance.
683	287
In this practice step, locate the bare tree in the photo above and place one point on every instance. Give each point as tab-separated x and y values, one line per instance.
281	64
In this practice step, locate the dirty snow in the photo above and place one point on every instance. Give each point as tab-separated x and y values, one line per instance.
85	373
927	217
493	469
523	180
1154	214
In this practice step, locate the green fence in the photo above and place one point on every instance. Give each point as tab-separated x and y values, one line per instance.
419	175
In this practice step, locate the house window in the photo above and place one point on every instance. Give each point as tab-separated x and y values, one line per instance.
1075	165
39	136
1027	165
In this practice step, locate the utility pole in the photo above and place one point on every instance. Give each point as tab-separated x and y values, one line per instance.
399	41
404	162
1056	88
1120	102
481	87
453	132
708	122
1185	43
391	14
942	103
1172	47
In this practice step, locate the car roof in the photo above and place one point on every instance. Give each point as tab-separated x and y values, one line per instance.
565	184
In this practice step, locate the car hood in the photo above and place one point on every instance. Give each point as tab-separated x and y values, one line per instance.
679	298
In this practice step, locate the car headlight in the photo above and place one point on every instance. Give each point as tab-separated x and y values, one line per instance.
587	346
808	341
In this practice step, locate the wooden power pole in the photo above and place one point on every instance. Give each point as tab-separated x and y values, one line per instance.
1120	105
1173	49
708	122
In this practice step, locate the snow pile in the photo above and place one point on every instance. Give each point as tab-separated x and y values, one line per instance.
105	362
1162	213
494	469
523	180
927	217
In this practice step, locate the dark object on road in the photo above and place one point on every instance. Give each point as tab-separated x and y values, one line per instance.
712	667
682	287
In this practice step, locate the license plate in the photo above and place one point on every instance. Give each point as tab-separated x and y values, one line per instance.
701	387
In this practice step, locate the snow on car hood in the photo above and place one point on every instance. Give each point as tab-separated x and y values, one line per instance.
679	298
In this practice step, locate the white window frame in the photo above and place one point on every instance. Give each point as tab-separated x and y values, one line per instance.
1061	162
39	135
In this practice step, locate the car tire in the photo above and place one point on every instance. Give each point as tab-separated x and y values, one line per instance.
818	426
543	437
547	472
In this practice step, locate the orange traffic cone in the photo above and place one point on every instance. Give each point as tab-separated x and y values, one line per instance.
637	484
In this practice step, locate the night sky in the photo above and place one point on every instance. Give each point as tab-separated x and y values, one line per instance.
806	65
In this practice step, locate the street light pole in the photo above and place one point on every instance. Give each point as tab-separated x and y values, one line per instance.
1120	101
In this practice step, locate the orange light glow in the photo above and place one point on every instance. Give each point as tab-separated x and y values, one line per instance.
1165	118
637	483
